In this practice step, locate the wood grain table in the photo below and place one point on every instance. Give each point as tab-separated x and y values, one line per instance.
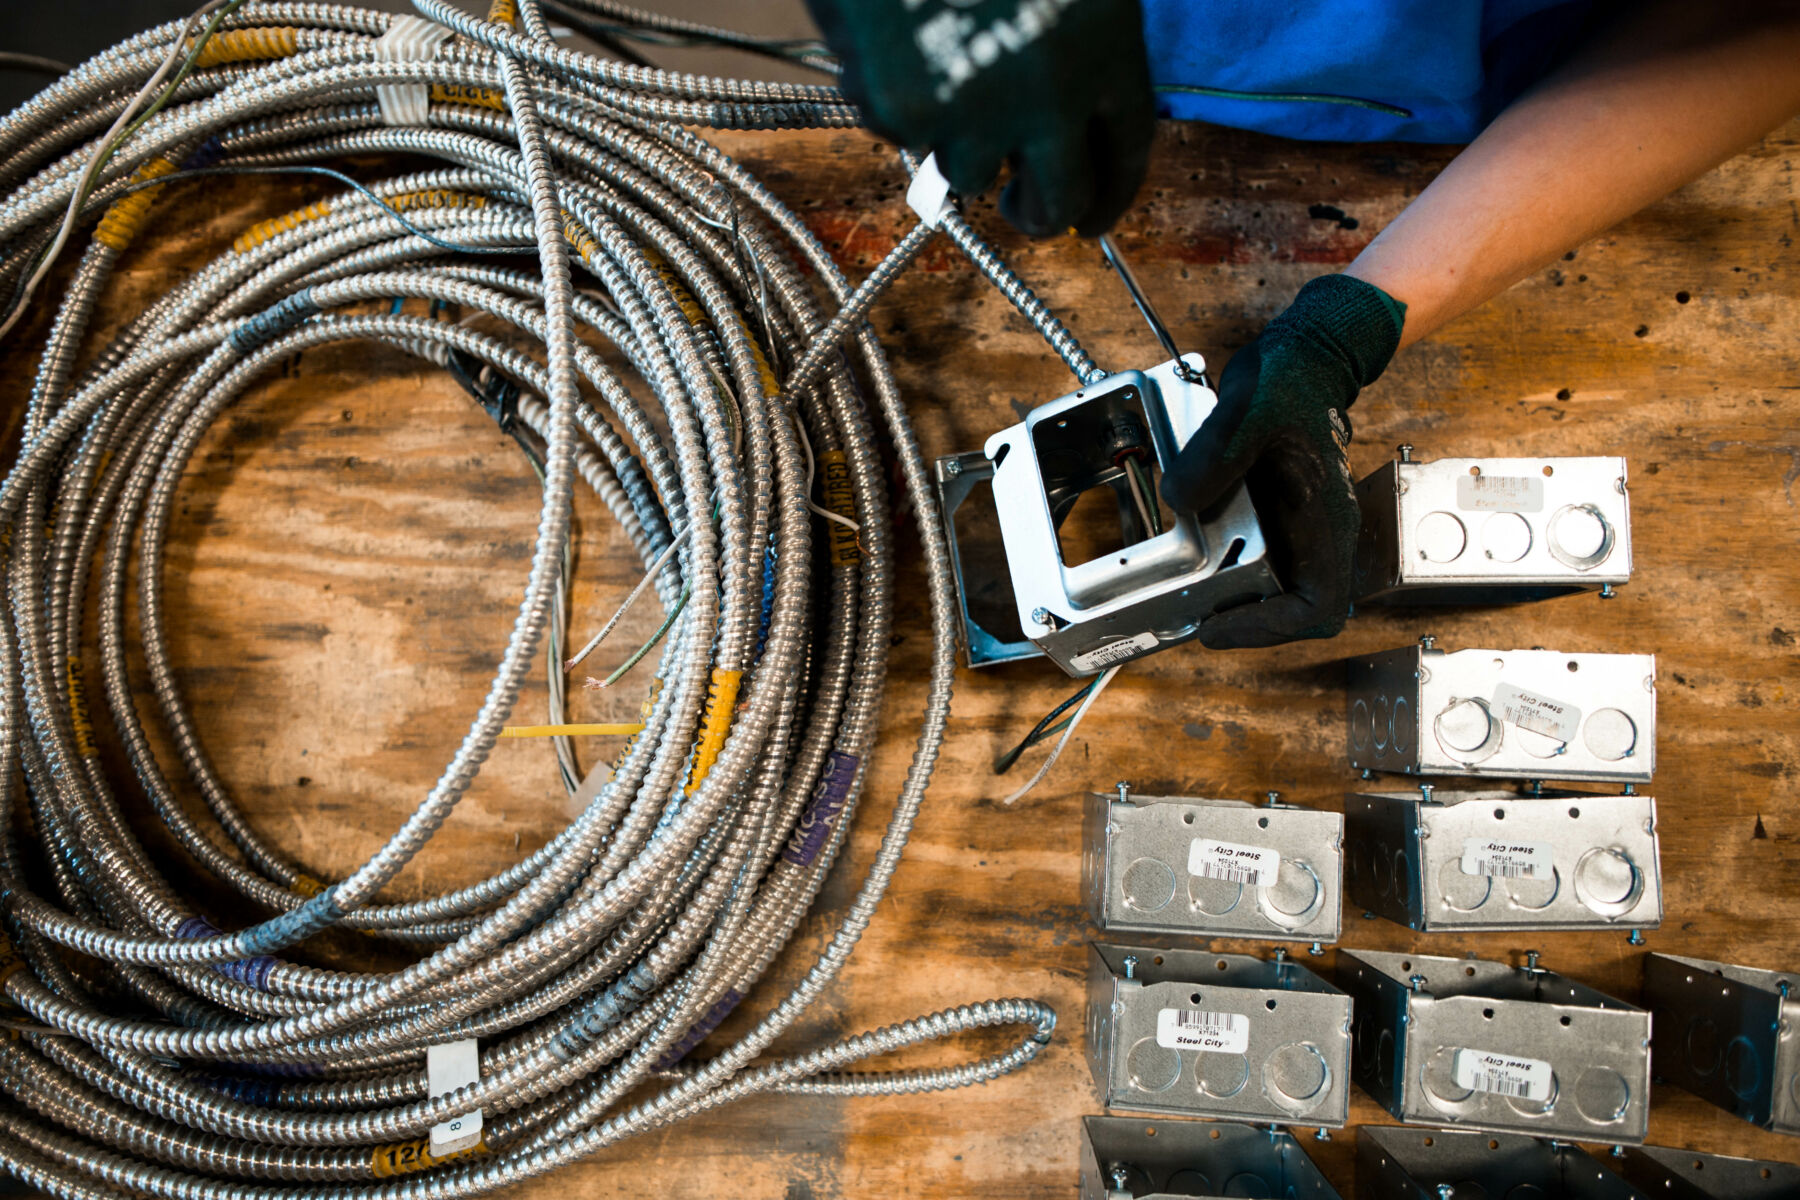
353	537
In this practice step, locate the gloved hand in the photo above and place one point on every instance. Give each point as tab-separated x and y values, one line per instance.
1281	426
1059	88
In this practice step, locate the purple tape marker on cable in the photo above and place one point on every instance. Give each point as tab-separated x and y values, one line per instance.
823	810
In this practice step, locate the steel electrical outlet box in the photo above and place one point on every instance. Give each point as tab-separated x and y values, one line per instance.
1124	1159
1212	868
1690	1175
1435	860
1217	1035
1729	1034
1412	1164
1492	530
1522	714
1463	1042
1150	581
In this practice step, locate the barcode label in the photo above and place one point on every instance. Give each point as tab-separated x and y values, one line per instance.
1105	656
1208	1032
1502	1074
1540	714
1255	865
1508	860
1499	493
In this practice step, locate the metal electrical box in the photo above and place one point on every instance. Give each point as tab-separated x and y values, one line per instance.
1689	1175
1530	714
1217	1035
1141	589
1122	1158
1729	1034
1212	868
1411	1164
1483	1045
1492	530
1435	861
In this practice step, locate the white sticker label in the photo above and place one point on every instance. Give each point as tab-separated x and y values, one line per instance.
1507	860
1207	1032
1499	493
1540	714
1114	652
1502	1074
448	1067
1254	865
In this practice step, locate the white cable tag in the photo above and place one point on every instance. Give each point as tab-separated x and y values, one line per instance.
408	39
450	1066
929	192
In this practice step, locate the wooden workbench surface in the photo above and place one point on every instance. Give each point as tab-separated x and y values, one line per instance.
353	537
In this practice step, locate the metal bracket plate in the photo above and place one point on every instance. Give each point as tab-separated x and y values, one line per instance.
1730	1034
1124	1159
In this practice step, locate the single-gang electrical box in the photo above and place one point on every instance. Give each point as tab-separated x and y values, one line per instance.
1415	1164
1483	1045
1730	1034
1122	1158
1689	1175
1492	530
1434	860
1100	582
1521	714
1212	868
1217	1035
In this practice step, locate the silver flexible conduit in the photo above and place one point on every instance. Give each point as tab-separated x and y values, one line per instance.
147	1048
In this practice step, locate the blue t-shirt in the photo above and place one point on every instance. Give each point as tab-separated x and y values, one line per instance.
1453	64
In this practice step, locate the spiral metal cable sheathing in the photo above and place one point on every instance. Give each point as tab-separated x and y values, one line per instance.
169	1058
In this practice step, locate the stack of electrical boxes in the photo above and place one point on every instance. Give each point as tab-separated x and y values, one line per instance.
1527	1057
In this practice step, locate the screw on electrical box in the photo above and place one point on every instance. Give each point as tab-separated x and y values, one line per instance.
1428	640
1535	787
1446	1191
1317	950
1130	965
1367	773
1280	958
952	467
1531	961
1425	790
1607	592
1119	1175
1631	789
1636	938
1124	790
1417	983
1405	449
1323	1135
1274	798
1041	615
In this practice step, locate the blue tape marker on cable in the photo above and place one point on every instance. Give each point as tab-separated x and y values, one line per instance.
613	1005
264	327
251	972
295	925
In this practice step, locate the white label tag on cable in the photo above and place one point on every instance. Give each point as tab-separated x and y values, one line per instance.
1540	714
1114	652
408	39
1502	1074
450	1066
1207	1032
929	192
1507	860
1255	865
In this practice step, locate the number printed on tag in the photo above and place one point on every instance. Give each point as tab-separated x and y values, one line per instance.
1540	714
1207	1032
1501	859
1502	1074
1255	865
1499	493
1114	652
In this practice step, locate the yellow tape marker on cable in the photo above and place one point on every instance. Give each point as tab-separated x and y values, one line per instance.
248	45
840	498
262	231
403	1158
306	885
126	215
721	705
619	729
435	198
469	94
644	709
503	12
580	240
684	299
78	714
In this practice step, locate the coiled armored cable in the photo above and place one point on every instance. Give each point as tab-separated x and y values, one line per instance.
148	1050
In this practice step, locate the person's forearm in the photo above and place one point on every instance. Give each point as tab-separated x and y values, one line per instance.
1650	105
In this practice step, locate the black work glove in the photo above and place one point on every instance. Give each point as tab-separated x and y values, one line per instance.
1058	88
1282	426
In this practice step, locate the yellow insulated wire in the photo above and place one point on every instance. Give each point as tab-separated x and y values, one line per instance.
617	729
246	45
721	706
126	215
